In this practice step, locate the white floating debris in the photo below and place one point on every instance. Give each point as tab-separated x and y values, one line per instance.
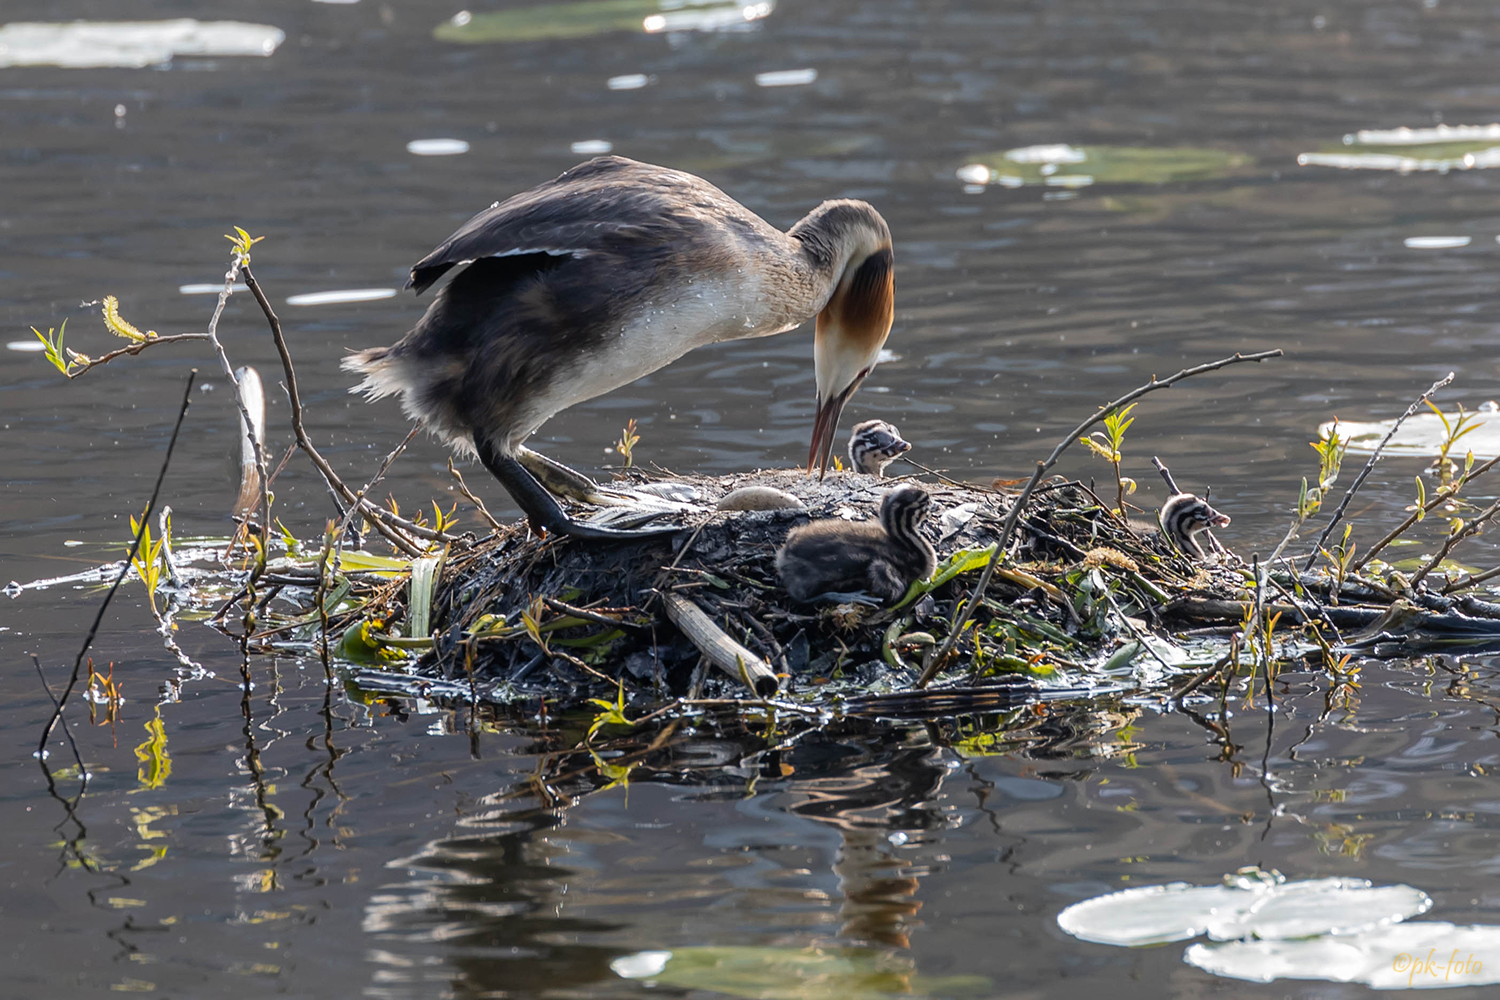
707	18
1479	160
1422	434
131	44
1247	905
630	81
1414	955
641	965
26	346
1055	153
336	1
786	78
1435	242
209	288
974	173
886	356
341	295
592	147
437	147
1069	180
1424	136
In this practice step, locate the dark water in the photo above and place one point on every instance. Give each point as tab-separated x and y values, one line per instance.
366	851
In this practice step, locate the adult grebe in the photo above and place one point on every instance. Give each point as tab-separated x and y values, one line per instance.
835	558
875	444
614	269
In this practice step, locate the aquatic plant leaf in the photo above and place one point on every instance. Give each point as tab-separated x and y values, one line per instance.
1416	955
424	576
962	561
1061	165
369	562
793	973
594	17
1243	907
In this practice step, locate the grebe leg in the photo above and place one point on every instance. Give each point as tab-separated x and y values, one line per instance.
543	510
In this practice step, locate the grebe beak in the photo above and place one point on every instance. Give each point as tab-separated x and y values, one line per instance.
826	426
851	329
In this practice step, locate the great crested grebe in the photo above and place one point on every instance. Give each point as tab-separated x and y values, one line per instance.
1183	516
875	444
616	268
835	558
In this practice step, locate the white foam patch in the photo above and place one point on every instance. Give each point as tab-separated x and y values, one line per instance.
26	346
437	147
340	296
131	44
1435	242
786	78
592	147
630	81
209	288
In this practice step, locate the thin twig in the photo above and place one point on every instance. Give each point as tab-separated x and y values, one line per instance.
1471	527
975	487
133	349
593	616
135	547
1165	474
936	663
1364	473
463	488
1441	496
1465	583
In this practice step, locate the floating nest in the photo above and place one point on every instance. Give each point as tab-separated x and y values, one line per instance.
1078	598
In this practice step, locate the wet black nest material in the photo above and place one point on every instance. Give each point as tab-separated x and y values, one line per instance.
516	616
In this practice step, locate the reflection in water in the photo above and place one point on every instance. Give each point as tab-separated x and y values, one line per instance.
545	898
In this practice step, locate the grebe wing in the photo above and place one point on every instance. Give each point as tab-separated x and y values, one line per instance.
609	204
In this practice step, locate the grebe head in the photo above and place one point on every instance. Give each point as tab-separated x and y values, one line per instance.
873	445
1183	516
852	241
903	510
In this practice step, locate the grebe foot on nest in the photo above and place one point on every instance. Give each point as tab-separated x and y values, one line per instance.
542	509
569	483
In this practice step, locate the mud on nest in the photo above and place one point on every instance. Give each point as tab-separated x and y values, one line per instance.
506	622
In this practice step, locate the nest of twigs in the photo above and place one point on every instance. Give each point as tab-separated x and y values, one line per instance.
516	615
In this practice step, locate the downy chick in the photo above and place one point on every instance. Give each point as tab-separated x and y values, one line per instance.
875	444
837	559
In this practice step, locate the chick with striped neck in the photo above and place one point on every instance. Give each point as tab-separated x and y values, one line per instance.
875	444
860	561
1184	516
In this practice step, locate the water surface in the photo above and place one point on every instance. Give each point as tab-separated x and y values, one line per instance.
307	845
